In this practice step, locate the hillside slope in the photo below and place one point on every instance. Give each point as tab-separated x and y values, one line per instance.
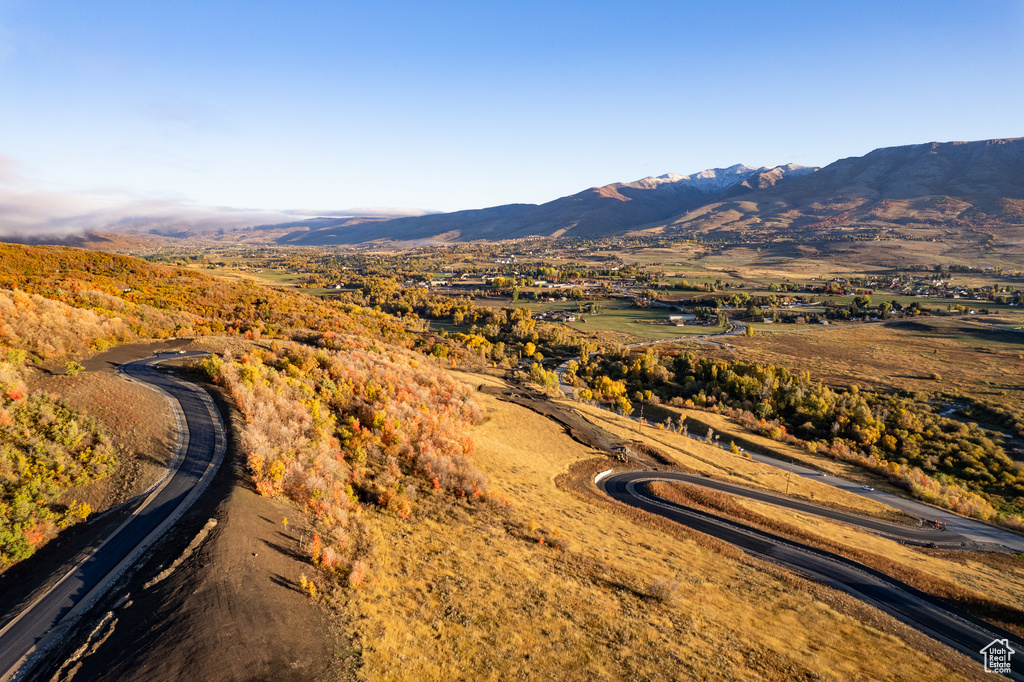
960	189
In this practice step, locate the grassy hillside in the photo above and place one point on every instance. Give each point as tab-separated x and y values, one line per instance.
450	534
46	448
564	586
146	300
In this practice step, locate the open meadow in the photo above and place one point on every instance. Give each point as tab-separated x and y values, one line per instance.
923	354
565	585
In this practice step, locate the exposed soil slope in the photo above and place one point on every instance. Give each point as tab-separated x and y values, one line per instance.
231	610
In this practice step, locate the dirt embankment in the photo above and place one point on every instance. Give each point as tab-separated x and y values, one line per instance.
232	610
583	431
216	601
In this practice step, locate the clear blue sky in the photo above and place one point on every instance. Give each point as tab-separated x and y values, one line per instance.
451	105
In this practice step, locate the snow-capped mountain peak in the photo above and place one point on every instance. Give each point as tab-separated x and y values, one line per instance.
709	181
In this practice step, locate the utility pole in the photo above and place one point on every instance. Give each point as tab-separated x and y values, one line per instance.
640	423
788	478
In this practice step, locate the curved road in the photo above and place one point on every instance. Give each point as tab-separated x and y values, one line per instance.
986	535
917	535
932	616
201	449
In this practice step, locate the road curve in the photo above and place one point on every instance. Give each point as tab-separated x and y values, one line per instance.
982	535
201	448
909	534
930	615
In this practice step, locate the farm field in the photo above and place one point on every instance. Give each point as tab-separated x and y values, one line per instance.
928	353
643	323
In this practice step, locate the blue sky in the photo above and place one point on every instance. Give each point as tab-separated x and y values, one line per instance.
451	105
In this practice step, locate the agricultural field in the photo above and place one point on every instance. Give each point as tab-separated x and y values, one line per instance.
928	353
646	324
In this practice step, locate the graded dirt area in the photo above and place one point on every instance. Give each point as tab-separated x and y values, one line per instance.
232	610
214	602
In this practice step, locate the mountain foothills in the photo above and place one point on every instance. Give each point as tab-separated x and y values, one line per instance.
597	212
959	189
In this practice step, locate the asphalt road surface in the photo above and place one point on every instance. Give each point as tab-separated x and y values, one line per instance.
982	534
979	532
204	445
910	534
945	623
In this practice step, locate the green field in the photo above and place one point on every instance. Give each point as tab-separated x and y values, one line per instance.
277	277
448	326
618	316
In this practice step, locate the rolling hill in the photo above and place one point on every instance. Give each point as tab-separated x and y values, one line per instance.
926	190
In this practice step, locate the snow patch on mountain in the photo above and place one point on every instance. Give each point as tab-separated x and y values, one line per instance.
714	180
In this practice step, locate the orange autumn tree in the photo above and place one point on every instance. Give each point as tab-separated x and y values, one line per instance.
364	424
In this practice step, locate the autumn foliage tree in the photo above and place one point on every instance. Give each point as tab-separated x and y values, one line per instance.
363	425
45	449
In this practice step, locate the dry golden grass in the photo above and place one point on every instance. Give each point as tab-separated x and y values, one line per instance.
467	596
1003	582
1000	581
963	583
729	430
965	356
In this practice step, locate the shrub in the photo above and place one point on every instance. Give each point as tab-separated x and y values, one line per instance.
45	449
662	590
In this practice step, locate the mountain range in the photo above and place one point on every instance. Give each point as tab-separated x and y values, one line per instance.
952	185
595	212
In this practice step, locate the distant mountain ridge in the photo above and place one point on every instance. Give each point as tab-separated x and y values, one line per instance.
925	191
957	186
716	179
595	212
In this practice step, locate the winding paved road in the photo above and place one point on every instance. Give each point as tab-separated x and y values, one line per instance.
972	529
932	616
201	449
916	535
955	628
983	534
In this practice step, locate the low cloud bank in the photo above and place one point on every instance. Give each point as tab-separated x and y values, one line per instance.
37	214
30	213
